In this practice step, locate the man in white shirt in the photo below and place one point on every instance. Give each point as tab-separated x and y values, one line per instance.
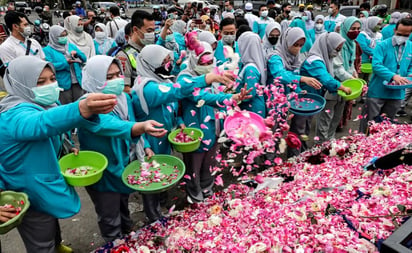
19	44
117	22
249	16
334	17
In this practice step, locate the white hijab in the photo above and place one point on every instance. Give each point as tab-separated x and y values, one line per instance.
106	43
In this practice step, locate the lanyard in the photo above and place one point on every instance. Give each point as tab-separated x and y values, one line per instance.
398	54
28	48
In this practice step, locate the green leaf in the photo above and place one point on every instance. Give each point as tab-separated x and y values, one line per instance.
401	208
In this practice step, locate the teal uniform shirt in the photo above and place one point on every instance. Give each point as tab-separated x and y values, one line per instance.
112	137
62	67
385	65
276	70
251	77
29	147
194	116
318	70
163	107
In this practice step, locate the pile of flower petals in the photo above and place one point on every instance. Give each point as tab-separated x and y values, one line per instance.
331	205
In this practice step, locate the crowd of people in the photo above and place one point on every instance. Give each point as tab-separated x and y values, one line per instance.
123	85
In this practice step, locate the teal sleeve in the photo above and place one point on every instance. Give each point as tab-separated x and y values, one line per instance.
379	69
255	27
146	142
276	68
58	65
110	125
160	41
318	70
30	124
155	97
209	98
364	44
179	121
250	78
81	55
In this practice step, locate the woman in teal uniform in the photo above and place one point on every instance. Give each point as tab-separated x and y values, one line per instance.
115	136
32	124
198	163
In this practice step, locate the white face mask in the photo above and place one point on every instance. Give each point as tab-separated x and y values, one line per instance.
319	27
202	70
149	38
330	11
100	35
26	32
264	14
228	39
400	40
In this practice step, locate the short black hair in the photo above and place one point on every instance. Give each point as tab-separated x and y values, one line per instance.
261	6
226	21
284	5
14	17
114	10
405	22
241	21
128	29
365	5
139	16
270	2
242	29
336	3
66	14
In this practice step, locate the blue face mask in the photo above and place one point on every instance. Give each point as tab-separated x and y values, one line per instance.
47	94
114	86
63	40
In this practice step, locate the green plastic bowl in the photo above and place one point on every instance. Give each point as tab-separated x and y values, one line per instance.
185	147
366	68
355	85
168	165
85	158
16	199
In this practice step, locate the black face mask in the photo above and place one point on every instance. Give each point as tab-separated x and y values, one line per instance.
162	71
301	9
273	40
287	12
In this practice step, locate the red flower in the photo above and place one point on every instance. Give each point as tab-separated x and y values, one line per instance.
293	140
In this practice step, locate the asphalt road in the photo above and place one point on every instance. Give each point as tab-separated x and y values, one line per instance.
81	231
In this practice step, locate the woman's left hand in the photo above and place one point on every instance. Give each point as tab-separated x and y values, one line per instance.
150	128
75	151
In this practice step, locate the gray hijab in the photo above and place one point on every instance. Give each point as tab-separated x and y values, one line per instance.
288	38
267	46
94	77
323	48
251	50
320	17
150	58
284	24
395	17
179	27
54	35
18	81
208	37
371	22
